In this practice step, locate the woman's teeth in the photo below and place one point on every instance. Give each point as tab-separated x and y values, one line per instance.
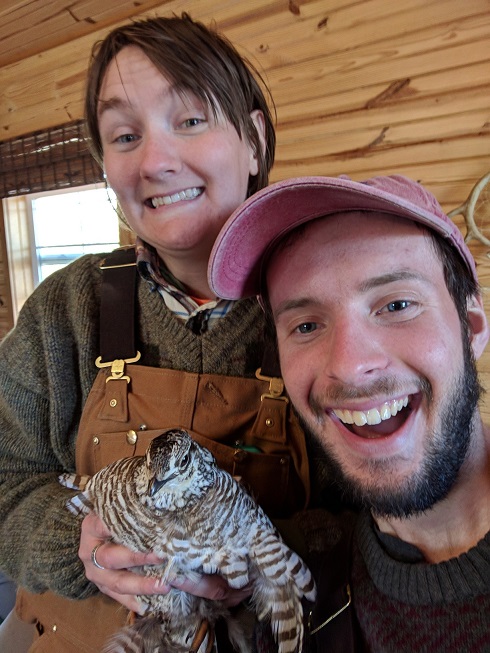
188	194
374	415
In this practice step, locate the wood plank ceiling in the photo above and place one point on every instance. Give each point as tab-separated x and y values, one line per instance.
30	27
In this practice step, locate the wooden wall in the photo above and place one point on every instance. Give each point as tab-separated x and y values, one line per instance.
361	87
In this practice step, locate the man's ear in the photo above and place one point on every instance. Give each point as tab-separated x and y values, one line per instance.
478	325
259	122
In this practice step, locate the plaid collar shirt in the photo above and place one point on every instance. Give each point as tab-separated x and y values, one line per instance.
199	317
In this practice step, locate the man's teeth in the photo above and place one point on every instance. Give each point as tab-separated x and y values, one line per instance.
188	194
374	415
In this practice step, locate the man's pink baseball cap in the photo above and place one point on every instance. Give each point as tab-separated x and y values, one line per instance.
251	233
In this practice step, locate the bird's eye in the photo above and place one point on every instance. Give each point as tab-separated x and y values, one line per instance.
184	462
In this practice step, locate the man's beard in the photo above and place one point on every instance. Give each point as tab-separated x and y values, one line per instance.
445	452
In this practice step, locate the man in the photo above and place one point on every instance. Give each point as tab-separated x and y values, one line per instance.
379	321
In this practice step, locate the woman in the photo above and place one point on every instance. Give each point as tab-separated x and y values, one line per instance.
184	133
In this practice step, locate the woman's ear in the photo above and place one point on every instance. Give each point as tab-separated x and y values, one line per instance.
259	123
478	325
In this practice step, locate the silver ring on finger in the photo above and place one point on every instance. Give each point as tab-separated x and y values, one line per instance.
93	555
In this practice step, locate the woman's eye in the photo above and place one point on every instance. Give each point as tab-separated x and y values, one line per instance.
306	327
193	122
125	138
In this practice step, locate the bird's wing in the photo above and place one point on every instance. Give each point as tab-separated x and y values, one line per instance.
80	504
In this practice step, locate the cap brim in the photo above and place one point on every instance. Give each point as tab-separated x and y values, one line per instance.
257	225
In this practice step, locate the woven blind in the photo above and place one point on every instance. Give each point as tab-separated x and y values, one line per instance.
47	160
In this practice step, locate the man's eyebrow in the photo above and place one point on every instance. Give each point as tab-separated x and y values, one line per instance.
293	304
390	277
365	286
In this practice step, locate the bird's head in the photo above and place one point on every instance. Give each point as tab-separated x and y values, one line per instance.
178	469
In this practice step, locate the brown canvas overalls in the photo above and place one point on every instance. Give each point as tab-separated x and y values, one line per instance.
246	423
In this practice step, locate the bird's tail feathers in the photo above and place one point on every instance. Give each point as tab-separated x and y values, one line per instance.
282	606
301	575
281	565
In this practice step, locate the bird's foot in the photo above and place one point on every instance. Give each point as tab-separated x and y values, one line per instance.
204	629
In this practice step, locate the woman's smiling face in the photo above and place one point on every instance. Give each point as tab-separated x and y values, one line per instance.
178	172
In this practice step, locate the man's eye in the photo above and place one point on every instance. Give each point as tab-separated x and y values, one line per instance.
398	305
306	327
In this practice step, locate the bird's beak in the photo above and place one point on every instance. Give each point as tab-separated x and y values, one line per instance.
156	484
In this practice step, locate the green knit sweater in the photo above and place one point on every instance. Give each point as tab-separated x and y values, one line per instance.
46	372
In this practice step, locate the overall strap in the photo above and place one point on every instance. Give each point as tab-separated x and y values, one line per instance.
270	360
118	313
332	622
118	306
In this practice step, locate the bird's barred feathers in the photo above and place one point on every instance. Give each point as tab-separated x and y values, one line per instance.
176	502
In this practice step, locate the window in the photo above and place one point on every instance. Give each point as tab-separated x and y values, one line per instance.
49	160
69	224
46	231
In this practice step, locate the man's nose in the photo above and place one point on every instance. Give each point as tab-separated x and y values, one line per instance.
355	352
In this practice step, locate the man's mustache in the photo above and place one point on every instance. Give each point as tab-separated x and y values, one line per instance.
337	394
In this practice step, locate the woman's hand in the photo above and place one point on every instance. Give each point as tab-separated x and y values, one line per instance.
115	579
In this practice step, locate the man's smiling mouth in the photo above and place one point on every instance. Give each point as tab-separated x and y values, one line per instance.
183	195
374	415
379	421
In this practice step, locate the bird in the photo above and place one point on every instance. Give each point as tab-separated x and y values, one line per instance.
176	502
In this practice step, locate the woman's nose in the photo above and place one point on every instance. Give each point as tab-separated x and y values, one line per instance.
160	155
